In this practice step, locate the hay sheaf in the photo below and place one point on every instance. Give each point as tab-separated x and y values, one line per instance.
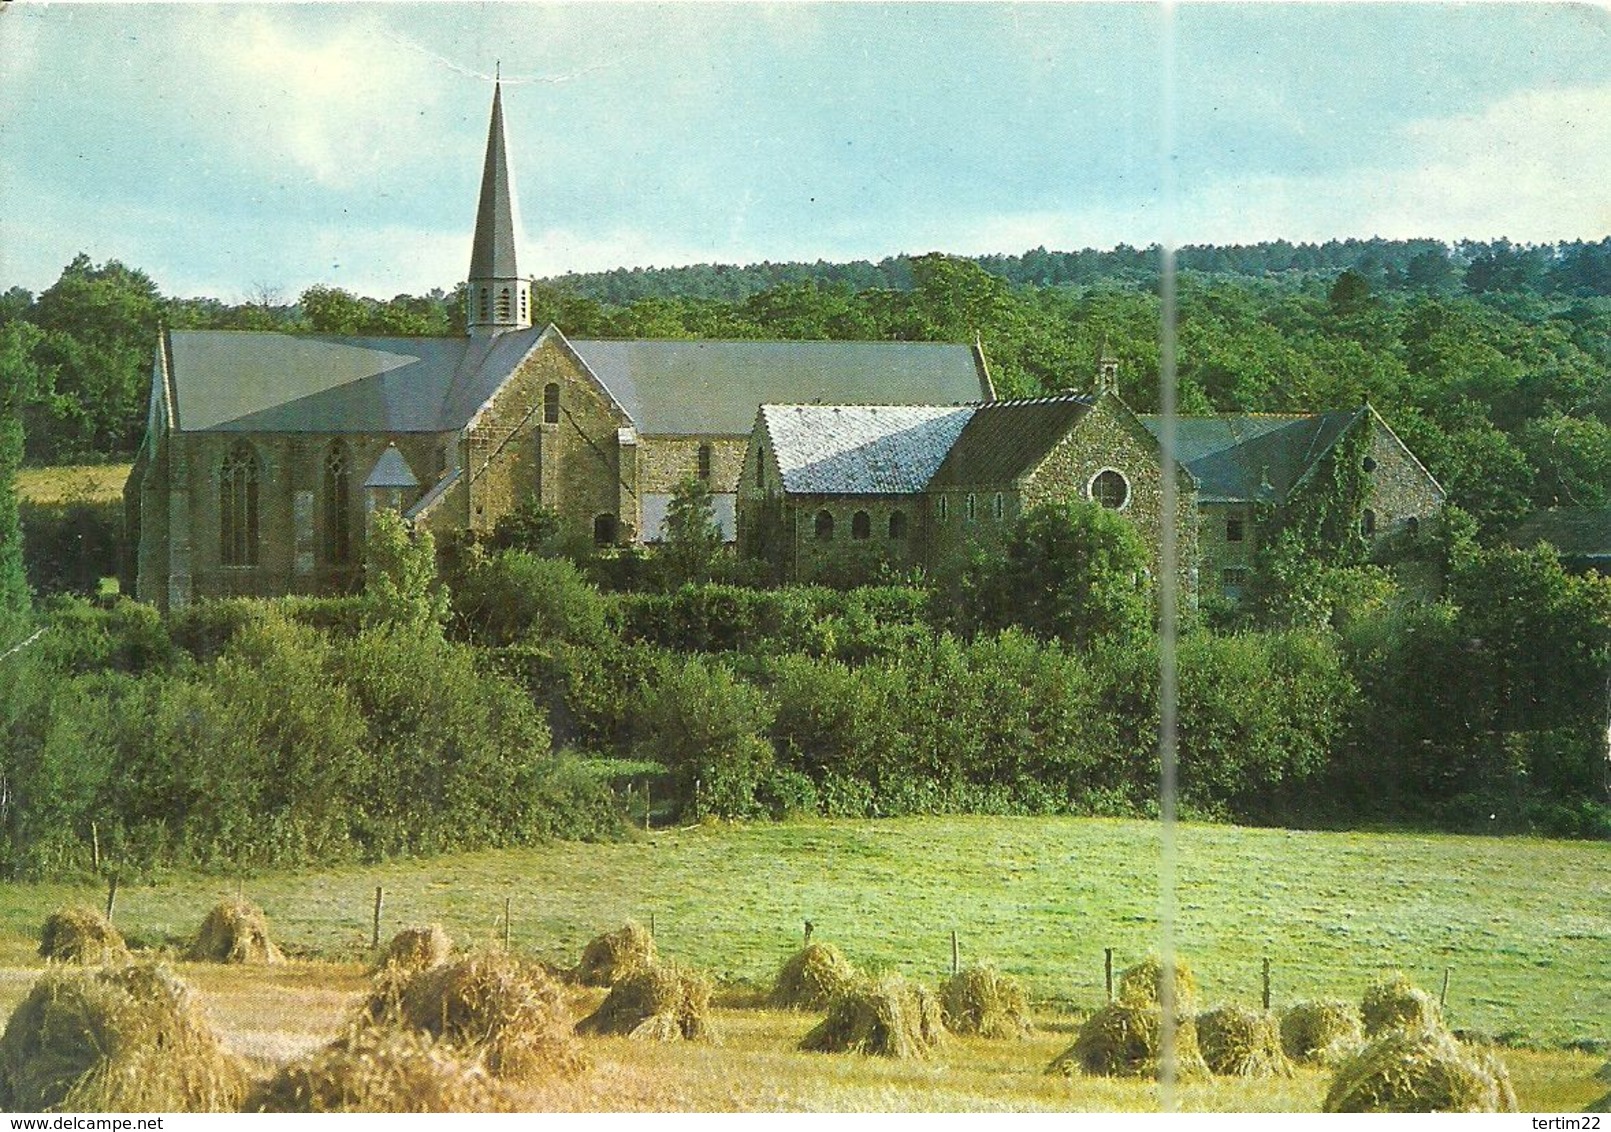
122	1039
236	931
416	949
508	1014
613	954
1323	1031
886	1018
81	935
1142	985
1420	1070
811	978
1395	1003
381	1068
1238	1041
983	1001
1125	1040
662	1003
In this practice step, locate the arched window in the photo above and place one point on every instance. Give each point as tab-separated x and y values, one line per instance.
1412	526
998	508
551	403
970	507
337	505
604	529
704	461
860	525
237	508
1110	489
1367	523
897	524
824	525
945	508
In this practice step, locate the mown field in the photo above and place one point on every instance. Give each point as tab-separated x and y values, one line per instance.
1522	926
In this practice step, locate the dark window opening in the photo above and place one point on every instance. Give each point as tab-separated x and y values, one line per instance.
970	507
860	525
1367	523
1111	489
897	524
704	461
824	525
337	505
1413	526
551	403
999	507
237	508
1368	463
604	530
503	305
1234	530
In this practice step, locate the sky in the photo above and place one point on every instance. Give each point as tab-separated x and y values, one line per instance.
241	149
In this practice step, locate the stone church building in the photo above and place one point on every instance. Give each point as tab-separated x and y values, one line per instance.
265	453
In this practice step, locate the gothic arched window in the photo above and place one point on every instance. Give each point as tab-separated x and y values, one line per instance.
824	525
237	508
897	524
337	505
860	525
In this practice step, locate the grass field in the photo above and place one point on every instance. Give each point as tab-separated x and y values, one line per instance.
72	483
1523	926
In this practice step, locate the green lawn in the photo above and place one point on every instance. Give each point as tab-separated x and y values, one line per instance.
1524	925
73	483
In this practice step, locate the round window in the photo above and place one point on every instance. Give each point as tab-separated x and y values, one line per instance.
1110	489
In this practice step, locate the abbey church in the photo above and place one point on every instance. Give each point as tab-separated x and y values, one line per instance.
266	453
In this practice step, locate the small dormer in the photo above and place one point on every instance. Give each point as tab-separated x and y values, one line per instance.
390	485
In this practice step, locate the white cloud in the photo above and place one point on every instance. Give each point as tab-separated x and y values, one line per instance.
334	104
1534	167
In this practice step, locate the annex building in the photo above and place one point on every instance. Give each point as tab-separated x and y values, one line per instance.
830	489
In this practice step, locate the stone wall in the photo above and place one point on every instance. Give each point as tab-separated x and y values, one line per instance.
1401	490
578	466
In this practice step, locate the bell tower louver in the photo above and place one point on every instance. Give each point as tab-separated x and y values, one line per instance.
497	297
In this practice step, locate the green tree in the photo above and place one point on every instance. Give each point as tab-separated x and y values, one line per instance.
400	583
693	544
706	726
331	310
1071	571
14	377
100	324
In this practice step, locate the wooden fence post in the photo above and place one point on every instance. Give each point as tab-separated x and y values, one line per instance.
1107	968
374	935
506	923
111	896
1443	997
95	847
956	955
1266	982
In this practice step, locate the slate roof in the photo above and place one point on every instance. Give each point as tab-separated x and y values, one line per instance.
252	381
1004	440
391	470
688	388
860	449
1255	457
1578	533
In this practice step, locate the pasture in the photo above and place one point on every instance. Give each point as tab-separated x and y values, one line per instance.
1523	928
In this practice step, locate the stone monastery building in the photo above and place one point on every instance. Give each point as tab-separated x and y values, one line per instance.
266	453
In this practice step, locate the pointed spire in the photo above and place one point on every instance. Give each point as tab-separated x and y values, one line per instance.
493	254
